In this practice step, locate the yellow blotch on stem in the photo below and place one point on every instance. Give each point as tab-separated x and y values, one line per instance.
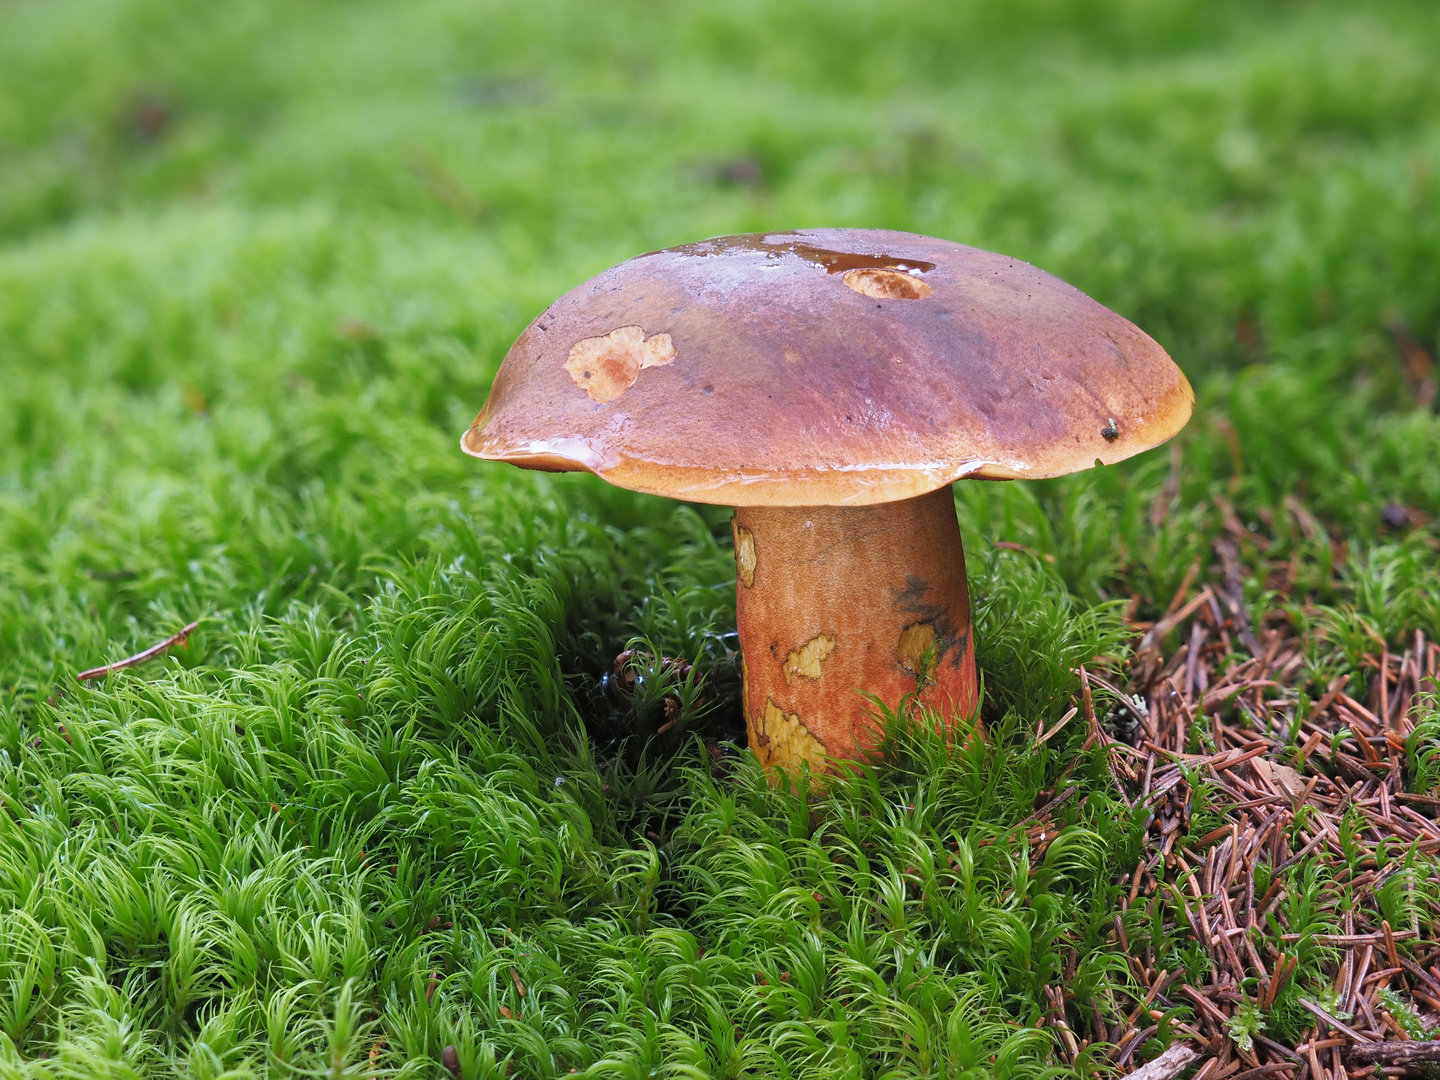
745	555
784	739
918	650
807	659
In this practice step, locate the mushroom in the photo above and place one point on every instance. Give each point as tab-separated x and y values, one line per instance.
830	385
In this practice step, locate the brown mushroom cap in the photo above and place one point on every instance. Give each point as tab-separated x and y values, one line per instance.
826	367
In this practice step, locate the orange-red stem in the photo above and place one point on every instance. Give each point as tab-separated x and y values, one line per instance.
837	603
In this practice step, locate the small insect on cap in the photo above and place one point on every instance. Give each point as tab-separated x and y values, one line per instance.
826	367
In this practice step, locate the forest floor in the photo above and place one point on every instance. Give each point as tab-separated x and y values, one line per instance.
381	811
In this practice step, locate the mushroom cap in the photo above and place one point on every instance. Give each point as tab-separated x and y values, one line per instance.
826	367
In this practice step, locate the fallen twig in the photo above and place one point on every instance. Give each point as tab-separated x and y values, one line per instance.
1396	1053
140	657
1169	1064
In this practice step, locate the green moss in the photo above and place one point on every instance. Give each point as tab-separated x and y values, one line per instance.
258	263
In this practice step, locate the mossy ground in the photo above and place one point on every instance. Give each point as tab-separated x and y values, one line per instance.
258	262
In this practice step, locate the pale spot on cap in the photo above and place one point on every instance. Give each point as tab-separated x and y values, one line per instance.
605	367
886	284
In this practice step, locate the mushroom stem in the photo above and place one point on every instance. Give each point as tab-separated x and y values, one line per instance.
839	603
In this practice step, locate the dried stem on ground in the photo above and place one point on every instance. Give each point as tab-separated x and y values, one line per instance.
139	658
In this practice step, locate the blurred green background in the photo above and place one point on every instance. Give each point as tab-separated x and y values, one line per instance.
258	263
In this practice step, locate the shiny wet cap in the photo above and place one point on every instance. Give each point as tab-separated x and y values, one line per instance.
826	367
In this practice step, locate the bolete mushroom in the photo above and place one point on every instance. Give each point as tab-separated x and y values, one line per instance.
831	384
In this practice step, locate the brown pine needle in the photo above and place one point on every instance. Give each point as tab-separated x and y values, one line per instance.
140	657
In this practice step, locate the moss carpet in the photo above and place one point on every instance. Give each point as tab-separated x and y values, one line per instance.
258	263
